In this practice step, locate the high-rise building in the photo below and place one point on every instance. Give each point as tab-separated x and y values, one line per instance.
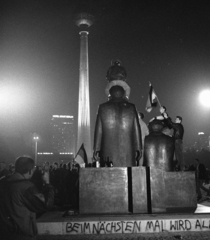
83	21
203	141
63	136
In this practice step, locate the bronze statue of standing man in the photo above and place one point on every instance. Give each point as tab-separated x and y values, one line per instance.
117	135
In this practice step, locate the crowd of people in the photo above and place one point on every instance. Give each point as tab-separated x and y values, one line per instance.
27	191
63	177
65	180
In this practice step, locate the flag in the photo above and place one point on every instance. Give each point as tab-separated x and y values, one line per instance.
152	99
81	156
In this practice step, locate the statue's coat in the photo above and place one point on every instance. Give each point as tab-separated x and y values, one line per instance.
117	130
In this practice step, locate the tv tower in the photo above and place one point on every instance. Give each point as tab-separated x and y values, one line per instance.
84	21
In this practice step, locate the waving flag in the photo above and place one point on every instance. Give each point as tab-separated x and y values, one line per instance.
81	156
152	100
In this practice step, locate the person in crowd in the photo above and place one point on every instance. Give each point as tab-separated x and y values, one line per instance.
72	187
37	178
144	132
56	181
200	177
46	167
3	171
191	168
11	168
55	166
177	168
20	200
62	189
178	134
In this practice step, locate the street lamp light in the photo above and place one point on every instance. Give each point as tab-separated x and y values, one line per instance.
36	138
205	98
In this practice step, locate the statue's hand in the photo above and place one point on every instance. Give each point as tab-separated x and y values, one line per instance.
46	177
138	155
95	155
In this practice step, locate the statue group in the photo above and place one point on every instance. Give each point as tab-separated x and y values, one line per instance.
149	187
117	135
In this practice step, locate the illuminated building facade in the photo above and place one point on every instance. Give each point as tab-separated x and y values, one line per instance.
63	136
84	20
203	141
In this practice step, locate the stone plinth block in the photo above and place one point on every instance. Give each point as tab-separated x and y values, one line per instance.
103	190
157	186
139	190
180	190
172	191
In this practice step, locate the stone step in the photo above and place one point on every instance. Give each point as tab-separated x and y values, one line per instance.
56	223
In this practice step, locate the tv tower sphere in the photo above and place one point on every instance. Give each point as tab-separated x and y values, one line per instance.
84	19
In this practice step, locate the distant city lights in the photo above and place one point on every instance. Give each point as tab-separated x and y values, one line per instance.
45	153
65	153
50	153
63	116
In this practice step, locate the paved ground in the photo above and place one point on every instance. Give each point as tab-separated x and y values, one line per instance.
147	236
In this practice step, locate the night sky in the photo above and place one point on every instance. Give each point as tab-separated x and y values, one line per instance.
164	42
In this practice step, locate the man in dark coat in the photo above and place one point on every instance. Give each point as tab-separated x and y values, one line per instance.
20	200
178	135
117	136
3	171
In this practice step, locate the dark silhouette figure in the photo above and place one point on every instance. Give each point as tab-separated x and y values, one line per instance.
158	148
117	131
200	177
20	200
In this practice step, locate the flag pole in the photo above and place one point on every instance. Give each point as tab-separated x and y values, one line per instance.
158	102
156	95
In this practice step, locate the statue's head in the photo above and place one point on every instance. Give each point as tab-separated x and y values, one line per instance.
117	92
156	126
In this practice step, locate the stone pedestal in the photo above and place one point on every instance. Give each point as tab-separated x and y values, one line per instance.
136	190
157	186
139	190
103	190
180	190
113	190
172	191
